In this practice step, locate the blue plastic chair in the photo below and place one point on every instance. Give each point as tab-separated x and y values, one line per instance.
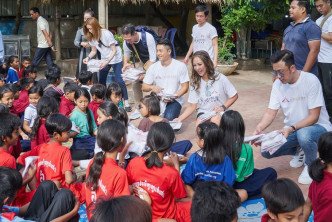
172	31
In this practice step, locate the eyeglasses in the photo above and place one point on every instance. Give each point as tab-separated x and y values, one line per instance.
278	73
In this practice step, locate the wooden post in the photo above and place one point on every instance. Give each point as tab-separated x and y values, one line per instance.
210	13
102	13
57	33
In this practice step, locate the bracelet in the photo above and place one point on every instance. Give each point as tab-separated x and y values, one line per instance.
293	127
224	107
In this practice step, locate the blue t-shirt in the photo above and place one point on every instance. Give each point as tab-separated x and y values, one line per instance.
296	39
10	215
197	170
12	76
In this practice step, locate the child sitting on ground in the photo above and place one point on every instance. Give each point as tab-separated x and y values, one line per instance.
85	79
26	62
114	94
163	183
320	192
210	163
67	104
97	92
249	181
100	181
30	113
22	102
84	141
53	77
32	73
2	80
12	75
214	201
284	201
150	111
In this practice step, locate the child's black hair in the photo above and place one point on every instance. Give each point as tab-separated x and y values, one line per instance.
152	103
232	129
84	77
70	87
25	82
213	150
9	123
111	135
137	210
84	92
11	181
98	90
4	108
3	90
52	74
31	69
160	138
282	196
36	90
57	123
26	59
11	60
115	88
45	106
108	108
214	201
14	88
317	167
2	77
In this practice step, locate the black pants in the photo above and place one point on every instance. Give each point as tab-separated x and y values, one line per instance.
49	203
325	77
40	54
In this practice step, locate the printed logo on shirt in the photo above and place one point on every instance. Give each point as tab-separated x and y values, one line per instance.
204	101
150	187
208	173
47	164
102	187
200	39
295	99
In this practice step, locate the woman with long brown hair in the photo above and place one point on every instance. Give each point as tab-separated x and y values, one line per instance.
212	90
111	54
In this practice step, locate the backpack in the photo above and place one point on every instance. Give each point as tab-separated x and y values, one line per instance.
143	30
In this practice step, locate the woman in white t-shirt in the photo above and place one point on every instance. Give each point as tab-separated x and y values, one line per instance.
212	90
111	54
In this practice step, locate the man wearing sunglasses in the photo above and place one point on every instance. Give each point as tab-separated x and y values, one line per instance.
299	95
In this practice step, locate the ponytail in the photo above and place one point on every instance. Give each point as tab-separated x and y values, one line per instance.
316	170
35	128
153	160
92	180
123	117
90	119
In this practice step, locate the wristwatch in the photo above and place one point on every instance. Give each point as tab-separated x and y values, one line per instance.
224	107
293	127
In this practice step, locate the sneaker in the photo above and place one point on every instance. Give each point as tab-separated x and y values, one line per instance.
304	178
298	160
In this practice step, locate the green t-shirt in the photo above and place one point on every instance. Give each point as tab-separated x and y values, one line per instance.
81	120
245	164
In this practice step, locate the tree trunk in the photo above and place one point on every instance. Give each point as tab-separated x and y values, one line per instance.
18	17
182	43
57	37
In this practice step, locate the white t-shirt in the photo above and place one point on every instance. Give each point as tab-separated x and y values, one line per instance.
169	78
211	94
150	42
104	48
325	53
42	24
30	114
296	99
202	38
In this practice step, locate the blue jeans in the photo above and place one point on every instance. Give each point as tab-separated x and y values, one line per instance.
172	110
117	77
40	54
306	138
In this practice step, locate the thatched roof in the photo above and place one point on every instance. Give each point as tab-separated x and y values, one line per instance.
123	2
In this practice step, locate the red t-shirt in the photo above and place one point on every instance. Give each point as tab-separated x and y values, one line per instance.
41	136
265	218
32	152
21	103
93	105
163	185
66	106
113	182
6	159
54	160
321	197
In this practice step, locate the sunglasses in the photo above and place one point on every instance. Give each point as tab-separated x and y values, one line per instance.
278	73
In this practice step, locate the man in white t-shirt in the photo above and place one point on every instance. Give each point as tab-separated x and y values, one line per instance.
204	35
170	77
145	46
44	39
325	53
299	95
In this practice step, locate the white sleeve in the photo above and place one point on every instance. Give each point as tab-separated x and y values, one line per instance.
109	38
228	87
151	43
213	32
274	102
149	76
193	95
315	96
42	25
126	50
28	114
329	27
184	76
